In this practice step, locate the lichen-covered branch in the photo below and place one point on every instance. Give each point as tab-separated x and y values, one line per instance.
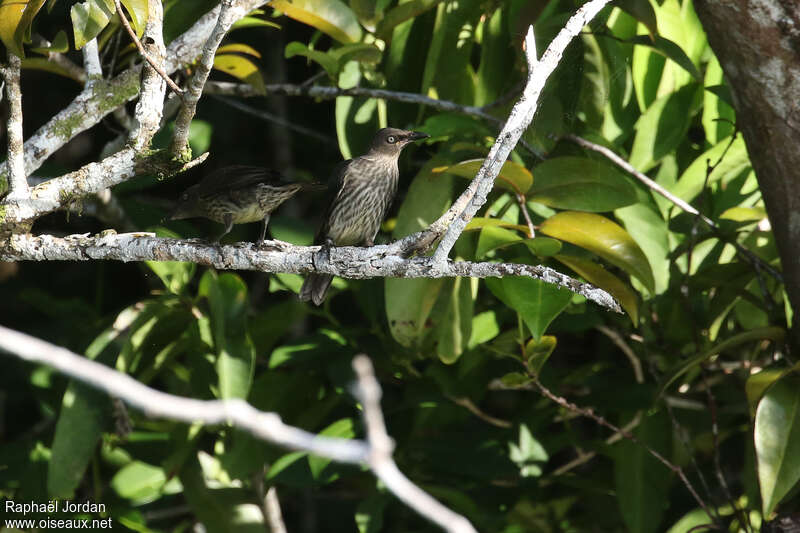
228	14
149	108
17	178
104	96
347	262
519	119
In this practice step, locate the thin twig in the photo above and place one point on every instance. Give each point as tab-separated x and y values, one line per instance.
589	413
470	406
142	51
18	190
746	254
523	206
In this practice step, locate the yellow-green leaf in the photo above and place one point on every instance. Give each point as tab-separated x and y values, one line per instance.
328	16
482	222
538	351
16	17
59	45
600	277
744	214
602	237
241	68
137	9
513	176
89	19
239	48
41	63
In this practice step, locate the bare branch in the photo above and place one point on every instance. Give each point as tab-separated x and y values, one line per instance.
154	403
228	14
518	121
275	256
18	190
157	66
267	426
380	456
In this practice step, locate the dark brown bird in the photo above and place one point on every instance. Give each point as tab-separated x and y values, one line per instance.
238	194
363	189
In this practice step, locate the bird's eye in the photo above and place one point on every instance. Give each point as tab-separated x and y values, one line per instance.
391	139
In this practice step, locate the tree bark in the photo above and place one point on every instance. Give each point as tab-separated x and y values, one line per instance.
758	45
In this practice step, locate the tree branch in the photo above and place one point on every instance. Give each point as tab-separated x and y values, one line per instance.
91	61
17	178
90	106
228	14
275	256
518	121
376	452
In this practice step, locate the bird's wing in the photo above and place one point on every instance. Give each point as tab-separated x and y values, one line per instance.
336	184
237	177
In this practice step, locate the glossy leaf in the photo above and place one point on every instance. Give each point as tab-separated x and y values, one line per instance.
401	13
602	237
328	16
734	162
139	481
581	184
513	176
669	50
537	302
772	333
537	352
777	438
600	277
89	18
543	246
642	11
744	214
254	22
16	17
241	68
650	231
138	11
662	127
227	300
239	48
494	237
757	384
484	222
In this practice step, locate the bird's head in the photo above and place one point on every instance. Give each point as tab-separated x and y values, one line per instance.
391	141
186	208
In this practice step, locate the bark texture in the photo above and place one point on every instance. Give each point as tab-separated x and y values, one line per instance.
758	45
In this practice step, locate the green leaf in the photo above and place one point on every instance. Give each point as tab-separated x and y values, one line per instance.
494	237
757	384
528	454
174	274
650	231
537	302
662	127
600	277
254	22
401	13
515	380
455	322
602	237
484	222
642	11
328	16
690	521
772	333
513	176
369	513
543	246
78	430
227	299
16	17
239	48
342	429
361	52
581	184
242	69
138	11
59	45
670	50
537	352
484	328
367	13
642	482
734	162
325	60
139	481
89	18
40	63
446	125
777	439
744	214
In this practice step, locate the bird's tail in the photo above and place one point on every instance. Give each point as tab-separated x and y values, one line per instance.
315	287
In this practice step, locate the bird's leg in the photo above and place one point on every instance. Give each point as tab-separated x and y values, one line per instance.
263	229
228	221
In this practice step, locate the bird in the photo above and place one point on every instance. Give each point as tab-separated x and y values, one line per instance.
238	194
362	190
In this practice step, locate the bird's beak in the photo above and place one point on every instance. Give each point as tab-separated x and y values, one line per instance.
416	136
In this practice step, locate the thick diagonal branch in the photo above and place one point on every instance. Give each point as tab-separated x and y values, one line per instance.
17	178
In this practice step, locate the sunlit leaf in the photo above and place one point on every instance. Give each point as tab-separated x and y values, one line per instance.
483	222
642	11
538	351
581	184
238	48
537	302
513	176
400	14
600	277
139	481
324	59
254	22
602	237
329	16
138	11
241	68
729	159
89	18
669	50
744	214
777	438
16	17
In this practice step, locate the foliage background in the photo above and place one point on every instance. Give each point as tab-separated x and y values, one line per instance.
698	361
